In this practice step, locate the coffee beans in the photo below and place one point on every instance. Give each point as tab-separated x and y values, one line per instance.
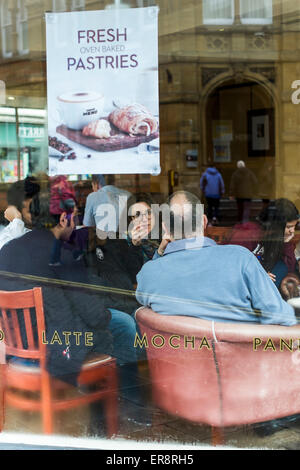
58	145
62	148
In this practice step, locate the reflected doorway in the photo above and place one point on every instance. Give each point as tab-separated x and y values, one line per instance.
240	125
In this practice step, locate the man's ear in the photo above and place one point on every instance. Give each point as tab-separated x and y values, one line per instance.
205	221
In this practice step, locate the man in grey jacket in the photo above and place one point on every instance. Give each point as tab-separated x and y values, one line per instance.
194	276
243	186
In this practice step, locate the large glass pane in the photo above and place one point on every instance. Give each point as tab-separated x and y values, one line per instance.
256	11
59	5
77	4
218	11
22	27
6	30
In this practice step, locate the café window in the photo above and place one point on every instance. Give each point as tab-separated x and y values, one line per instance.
256	11
6	30
22	27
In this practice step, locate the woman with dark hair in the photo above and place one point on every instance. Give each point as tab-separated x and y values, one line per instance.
270	238
141	222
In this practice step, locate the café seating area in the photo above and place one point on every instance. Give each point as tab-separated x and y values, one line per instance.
206	384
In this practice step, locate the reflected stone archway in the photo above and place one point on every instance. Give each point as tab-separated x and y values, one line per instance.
239	124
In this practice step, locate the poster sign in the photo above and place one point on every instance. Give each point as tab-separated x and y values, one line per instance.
221	150
102	87
222	130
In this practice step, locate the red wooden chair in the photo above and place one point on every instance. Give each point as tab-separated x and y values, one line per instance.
18	381
229	383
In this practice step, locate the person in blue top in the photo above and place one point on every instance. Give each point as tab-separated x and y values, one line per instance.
104	205
212	186
192	275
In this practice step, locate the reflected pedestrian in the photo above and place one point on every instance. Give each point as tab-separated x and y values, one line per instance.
243	187
212	186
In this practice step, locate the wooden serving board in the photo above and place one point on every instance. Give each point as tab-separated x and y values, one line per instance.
117	141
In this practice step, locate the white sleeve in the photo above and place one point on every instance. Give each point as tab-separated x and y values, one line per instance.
15	229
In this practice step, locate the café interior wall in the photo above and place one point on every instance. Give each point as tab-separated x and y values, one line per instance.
188	52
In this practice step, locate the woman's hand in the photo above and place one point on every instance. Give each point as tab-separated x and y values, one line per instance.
139	233
67	226
289	238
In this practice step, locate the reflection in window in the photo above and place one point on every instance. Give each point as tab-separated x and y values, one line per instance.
59	5
256	11
6	30
22	27
218	11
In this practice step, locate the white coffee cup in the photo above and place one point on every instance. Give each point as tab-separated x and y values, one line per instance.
77	109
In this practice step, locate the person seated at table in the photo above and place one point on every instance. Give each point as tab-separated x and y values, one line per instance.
142	238
270	238
196	277
63	199
69	307
19	197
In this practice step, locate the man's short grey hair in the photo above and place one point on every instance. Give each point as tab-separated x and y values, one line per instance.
241	164
186	220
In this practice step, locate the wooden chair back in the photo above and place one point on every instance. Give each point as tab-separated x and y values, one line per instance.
23	323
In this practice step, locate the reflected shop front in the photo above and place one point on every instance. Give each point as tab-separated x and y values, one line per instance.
149	237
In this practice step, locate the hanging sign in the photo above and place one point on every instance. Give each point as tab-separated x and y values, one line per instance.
102	88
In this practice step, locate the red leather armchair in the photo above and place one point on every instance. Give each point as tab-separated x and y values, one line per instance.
221	374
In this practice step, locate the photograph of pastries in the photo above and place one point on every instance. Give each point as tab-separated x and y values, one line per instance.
124	127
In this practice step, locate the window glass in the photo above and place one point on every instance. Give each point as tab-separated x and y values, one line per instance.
22	27
218	11
6	30
59	5
256	11
77	4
